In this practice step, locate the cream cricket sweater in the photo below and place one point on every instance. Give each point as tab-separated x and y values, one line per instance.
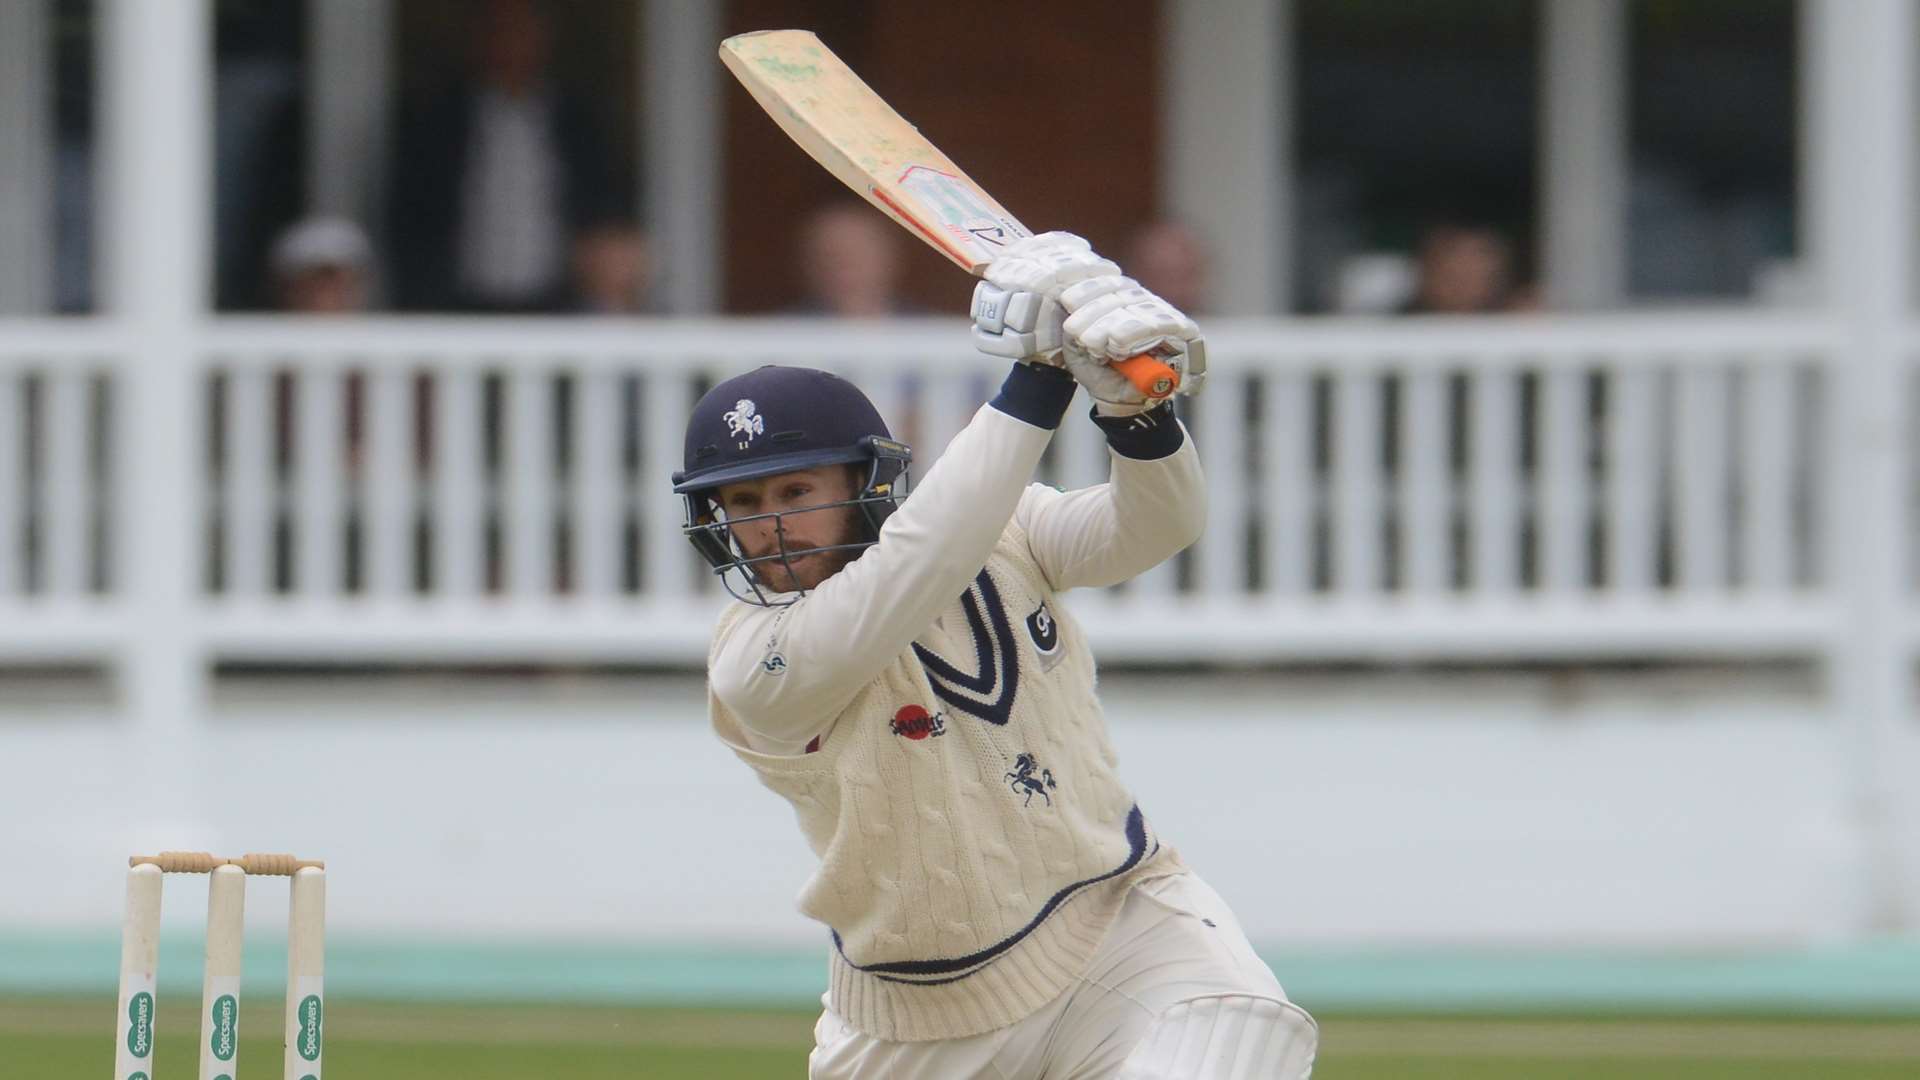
929	712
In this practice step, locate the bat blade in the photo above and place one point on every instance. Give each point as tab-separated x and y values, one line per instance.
851	131
841	123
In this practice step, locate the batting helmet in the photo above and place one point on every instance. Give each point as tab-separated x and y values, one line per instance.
777	420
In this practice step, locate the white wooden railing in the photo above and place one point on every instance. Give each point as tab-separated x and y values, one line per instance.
396	491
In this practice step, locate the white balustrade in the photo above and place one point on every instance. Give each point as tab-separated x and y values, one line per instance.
1461	489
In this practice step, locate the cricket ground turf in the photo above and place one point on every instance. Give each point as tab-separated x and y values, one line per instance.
69	1037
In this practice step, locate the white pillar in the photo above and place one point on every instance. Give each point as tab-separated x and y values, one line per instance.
26	165
155	71
1583	152
680	150
1227	158
1858	144
349	101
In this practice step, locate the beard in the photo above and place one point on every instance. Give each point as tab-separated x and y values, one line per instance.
809	567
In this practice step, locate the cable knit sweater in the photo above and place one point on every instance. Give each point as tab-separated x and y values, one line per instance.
929	712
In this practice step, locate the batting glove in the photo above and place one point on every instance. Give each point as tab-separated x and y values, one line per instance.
1017	325
1048	264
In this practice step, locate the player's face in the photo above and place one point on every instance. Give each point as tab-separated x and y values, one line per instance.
808	519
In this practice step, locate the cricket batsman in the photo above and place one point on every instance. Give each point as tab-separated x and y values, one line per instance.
903	672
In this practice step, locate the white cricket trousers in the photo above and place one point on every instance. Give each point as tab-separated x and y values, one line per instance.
1175	991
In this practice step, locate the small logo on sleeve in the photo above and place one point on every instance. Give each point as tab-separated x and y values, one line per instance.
1045	632
773	661
914	722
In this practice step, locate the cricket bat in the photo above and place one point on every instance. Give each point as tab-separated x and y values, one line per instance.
842	124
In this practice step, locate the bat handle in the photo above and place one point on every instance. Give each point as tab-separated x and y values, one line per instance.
1149	375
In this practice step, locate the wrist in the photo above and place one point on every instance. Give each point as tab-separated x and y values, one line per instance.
1144	436
1037	394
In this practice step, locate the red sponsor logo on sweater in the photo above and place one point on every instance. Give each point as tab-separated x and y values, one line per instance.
913	722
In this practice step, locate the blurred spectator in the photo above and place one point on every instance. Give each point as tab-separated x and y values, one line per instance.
494	180
850	268
1375	283
613	270
1171	259
322	266
850	263
1465	268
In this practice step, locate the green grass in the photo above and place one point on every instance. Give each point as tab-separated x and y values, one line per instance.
1577	1068
54	1039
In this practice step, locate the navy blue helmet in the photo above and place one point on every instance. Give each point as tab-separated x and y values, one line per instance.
777	420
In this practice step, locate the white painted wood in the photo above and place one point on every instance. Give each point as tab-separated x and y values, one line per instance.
1080	450
13	493
65	490
1228	111
1700	495
1287	495
1858	144
154	135
1425	488
530	482
1342	623
248	498
1158	583
1584	151
1222	441
945	408
459	488
1356	480
666	556
27	131
1563	489
1493	533
1769	449
596	496
387	482
1632	484
153	141
319	465
680	131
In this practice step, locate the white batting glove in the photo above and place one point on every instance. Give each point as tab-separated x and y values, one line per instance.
1114	317
1112	394
1047	264
1029	327
1022	326
1016	310
1052	299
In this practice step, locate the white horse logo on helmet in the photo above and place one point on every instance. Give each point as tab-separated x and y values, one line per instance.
744	423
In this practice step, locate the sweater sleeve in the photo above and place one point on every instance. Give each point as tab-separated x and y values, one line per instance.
835	639
1153	505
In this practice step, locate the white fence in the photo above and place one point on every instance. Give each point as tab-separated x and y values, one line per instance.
1660	488
464	491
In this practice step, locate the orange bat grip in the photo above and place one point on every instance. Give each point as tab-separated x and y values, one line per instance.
1149	376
